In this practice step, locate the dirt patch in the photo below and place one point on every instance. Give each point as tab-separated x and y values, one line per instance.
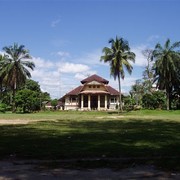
11	170
16	121
110	117
27	121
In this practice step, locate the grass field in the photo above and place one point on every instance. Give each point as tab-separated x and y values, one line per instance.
102	138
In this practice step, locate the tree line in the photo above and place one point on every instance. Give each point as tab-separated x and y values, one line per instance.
162	70
17	90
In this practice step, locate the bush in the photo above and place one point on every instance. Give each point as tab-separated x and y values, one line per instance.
155	100
128	107
27	101
3	107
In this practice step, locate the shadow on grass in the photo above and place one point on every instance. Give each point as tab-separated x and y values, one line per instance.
129	142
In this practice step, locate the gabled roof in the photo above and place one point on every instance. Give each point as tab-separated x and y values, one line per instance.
94	78
78	90
59	103
75	91
95	92
97	79
112	91
48	103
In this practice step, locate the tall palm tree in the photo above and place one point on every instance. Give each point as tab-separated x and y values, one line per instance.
167	60
118	56
15	67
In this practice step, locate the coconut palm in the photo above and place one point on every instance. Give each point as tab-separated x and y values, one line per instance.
118	56
14	67
167	60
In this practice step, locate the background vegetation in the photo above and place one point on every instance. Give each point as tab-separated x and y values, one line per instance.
159	87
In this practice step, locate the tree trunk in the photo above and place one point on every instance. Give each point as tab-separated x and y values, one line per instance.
13	98
120	99
13	101
167	100
0	89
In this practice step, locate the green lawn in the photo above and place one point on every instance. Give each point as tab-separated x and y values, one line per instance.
139	137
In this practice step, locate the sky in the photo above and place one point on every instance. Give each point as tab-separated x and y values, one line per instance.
65	37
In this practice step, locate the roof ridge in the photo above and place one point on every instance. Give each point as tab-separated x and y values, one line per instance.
96	78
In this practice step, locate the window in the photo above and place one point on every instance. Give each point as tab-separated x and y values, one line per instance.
89	86
113	100
73	99
98	86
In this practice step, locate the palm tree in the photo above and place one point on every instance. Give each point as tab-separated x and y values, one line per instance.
167	60
14	67
118	56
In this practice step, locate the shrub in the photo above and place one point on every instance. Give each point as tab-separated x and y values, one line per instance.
3	107
154	100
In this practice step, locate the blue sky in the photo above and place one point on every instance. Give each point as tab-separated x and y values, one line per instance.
66	37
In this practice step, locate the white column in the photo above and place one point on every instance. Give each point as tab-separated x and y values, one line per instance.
89	102
105	102
82	101
99	102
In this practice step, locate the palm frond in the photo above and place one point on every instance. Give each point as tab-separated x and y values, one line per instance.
167	44
175	45
16	63
166	65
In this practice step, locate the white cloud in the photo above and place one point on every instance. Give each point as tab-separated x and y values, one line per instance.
140	59
57	78
2	53
72	67
80	76
83	75
125	84
46	73
63	54
47	82
42	63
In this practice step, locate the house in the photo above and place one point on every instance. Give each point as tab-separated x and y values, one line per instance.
94	93
48	105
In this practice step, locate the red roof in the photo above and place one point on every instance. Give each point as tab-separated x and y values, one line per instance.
94	92
94	78
112	91
78	90
75	91
59	103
